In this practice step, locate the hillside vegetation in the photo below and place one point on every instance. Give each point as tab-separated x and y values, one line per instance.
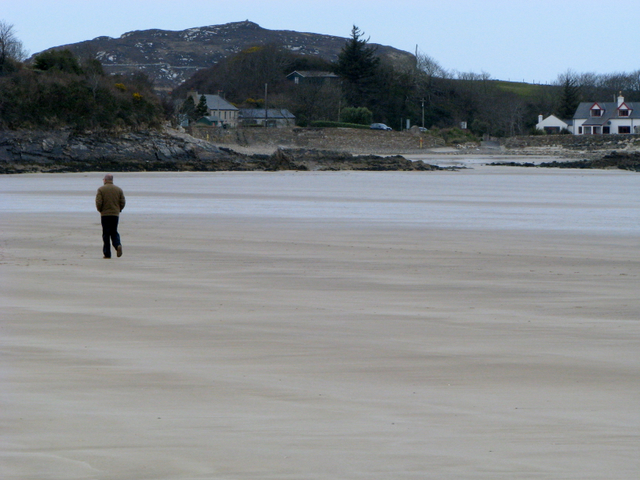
60	92
58	88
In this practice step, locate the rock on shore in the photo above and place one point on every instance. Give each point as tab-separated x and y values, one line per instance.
67	151
619	160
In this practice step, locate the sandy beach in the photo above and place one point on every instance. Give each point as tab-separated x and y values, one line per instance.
271	326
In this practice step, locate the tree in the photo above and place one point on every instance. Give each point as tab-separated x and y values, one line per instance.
358	65
429	66
569	95
60	60
201	109
11	50
189	108
359	115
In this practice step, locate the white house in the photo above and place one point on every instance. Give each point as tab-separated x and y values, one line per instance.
603	118
218	107
553	124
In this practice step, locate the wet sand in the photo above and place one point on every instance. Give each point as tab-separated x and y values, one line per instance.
222	348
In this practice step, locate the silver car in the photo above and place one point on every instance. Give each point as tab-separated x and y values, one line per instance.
379	126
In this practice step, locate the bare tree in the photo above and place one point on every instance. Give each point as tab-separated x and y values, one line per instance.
11	49
429	66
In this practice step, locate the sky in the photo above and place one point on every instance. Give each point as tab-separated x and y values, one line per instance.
533	41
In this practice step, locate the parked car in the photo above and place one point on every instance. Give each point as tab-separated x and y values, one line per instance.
379	126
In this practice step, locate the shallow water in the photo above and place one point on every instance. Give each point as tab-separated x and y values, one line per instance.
490	198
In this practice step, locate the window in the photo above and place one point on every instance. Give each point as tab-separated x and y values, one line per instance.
596	112
606	130
587	130
580	130
623	113
624	129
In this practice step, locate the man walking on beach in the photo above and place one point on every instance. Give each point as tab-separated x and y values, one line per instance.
110	202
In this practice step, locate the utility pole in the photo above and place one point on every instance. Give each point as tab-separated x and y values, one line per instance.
423	113
266	112
219	120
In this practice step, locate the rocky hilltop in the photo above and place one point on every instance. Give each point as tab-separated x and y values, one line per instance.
171	57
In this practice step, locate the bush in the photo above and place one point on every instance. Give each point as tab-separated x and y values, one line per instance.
357	115
455	136
60	94
61	60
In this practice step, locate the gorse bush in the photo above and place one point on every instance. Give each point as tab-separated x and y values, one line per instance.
60	92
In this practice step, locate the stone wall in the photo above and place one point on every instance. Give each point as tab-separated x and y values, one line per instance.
574	142
337	139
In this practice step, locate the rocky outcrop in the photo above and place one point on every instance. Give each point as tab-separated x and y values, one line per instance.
614	160
66	151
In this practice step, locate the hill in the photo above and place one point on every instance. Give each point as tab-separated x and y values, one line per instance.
171	57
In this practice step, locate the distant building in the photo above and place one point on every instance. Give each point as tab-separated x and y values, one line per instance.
308	77
553	124
209	121
602	118
272	117
220	112
597	118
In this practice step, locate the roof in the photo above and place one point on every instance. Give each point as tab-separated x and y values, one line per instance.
552	120
209	120
216	102
313	74
609	112
273	113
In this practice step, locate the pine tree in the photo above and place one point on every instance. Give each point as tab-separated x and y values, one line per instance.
358	66
201	108
569	97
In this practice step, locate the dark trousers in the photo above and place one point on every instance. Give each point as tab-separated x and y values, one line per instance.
109	233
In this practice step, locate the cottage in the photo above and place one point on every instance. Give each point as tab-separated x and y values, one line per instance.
219	111
315	78
553	124
602	118
272	117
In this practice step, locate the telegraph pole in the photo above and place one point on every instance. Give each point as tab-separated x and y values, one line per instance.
266	114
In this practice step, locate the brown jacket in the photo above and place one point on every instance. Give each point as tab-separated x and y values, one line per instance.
110	200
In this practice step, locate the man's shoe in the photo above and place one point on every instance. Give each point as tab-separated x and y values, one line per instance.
106	258
119	250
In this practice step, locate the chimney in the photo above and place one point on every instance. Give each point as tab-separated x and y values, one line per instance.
620	99
539	118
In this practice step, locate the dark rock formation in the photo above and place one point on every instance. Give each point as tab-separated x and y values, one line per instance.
66	151
619	160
